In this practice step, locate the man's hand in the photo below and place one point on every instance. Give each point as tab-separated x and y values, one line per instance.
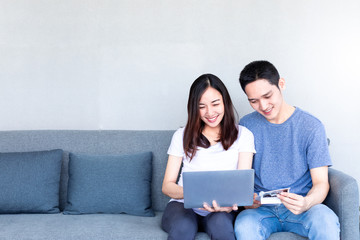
297	204
217	208
256	203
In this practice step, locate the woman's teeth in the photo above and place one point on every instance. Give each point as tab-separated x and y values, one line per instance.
212	119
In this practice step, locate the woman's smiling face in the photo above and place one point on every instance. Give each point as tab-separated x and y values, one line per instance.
211	107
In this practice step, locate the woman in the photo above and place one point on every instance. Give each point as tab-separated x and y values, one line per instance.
211	140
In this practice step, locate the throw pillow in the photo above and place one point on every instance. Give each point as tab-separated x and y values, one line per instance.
29	181
110	184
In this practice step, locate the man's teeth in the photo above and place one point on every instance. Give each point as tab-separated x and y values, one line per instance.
268	110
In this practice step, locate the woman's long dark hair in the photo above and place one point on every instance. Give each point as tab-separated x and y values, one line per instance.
193	137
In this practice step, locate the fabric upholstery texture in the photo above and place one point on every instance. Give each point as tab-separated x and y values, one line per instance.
89	226
343	197
29	181
110	184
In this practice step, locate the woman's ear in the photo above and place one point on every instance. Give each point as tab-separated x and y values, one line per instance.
282	85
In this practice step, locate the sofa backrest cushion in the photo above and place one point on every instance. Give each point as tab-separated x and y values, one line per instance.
110	184
96	142
29	181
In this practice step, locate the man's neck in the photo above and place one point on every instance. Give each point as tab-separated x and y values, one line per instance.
284	114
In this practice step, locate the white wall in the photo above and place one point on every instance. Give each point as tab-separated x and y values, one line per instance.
106	64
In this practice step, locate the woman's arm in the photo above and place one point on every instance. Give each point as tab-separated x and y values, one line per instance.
245	160
170	187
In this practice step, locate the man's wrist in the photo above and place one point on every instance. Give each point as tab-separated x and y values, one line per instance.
307	202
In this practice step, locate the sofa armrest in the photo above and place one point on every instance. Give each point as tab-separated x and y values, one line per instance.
343	199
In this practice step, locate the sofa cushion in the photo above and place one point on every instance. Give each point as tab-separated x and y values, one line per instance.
110	184
83	227
29	181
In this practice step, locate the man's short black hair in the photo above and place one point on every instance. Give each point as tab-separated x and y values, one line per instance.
259	70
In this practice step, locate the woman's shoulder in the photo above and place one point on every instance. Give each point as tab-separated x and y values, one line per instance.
243	130
180	130
245	134
245	141
179	133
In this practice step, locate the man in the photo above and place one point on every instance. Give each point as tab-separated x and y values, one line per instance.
291	151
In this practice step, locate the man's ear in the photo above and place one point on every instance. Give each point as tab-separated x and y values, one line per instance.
282	85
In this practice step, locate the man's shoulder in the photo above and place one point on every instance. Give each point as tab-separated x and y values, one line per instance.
250	118
307	118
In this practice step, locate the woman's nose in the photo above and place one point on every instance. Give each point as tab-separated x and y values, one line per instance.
210	111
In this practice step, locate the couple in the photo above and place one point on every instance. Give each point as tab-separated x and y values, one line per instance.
291	151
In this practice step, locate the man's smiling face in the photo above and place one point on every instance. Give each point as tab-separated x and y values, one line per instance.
266	99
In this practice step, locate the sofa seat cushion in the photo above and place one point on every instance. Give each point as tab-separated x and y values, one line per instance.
110	184
92	227
78	227
30	181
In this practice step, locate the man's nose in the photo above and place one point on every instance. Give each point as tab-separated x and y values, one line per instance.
263	105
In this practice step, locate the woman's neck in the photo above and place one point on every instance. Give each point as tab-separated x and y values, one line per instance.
212	134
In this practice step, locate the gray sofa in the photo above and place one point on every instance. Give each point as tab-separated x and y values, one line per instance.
343	196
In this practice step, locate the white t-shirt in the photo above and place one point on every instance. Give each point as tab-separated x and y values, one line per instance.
213	158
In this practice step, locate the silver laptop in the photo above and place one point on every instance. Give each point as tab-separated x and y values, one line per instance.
227	187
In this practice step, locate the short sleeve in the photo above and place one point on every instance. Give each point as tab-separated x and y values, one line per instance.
317	152
246	140
176	146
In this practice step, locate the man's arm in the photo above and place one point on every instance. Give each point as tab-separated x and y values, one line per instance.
298	204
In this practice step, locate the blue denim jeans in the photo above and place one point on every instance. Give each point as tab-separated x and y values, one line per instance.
319	223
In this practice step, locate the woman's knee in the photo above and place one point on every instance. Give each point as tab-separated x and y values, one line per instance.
220	225
178	222
220	218
182	231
